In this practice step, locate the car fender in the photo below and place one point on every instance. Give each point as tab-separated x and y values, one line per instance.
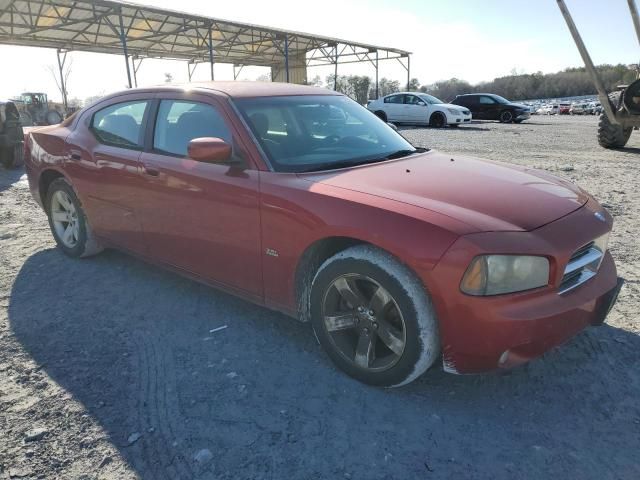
296	219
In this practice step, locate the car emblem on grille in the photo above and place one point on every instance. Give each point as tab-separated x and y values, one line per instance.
600	216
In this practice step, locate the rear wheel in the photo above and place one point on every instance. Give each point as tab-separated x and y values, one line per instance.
611	135
68	222
373	317
437	120
381	115
506	116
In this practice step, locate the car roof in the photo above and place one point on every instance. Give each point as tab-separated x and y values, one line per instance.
237	89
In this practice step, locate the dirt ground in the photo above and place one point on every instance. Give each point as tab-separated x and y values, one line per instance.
108	368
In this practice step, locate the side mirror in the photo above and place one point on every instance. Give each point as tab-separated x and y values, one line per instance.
209	150
392	126
422	104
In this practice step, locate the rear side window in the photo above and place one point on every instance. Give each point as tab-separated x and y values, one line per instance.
464	101
178	122
394	99
120	125
487	101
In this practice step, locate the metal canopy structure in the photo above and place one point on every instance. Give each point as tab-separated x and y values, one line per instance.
138	32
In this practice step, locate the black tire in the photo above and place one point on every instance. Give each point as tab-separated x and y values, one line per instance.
409	301
506	116
53	117
25	119
381	115
437	120
12	157
610	135
86	244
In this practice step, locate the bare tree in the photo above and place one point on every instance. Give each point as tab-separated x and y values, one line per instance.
168	77
62	79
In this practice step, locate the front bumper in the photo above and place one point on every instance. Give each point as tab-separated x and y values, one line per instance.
480	334
458	119
523	116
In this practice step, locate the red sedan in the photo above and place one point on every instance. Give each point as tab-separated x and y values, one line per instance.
301	200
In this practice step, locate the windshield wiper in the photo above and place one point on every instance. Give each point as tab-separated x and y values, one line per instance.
336	165
404	153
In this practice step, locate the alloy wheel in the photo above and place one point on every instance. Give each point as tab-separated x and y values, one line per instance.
64	217
364	322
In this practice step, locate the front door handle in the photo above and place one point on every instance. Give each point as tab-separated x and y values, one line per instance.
75	155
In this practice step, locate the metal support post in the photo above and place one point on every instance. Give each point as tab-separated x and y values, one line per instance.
286	57
211	50
63	83
377	84
123	39
335	74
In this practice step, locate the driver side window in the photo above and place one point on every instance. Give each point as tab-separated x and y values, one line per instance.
487	101
178	122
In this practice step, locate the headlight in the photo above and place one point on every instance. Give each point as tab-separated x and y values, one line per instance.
496	274
454	111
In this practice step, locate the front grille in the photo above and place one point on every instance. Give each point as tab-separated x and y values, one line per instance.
582	266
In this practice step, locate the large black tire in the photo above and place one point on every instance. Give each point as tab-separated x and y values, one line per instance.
409	302
86	243
437	120
381	115
12	157
53	117
609	134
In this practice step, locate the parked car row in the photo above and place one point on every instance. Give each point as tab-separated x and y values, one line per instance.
421	108
576	108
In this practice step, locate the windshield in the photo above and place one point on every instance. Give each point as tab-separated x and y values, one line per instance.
431	99
500	99
320	132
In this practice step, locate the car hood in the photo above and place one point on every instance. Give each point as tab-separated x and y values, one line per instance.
452	105
519	105
485	195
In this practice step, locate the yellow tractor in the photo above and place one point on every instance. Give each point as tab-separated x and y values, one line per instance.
35	109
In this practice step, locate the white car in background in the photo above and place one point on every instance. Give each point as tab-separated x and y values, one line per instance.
419	108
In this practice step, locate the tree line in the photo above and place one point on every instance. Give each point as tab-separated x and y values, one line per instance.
567	83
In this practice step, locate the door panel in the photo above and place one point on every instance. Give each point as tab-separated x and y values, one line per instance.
201	217
106	176
395	110
413	112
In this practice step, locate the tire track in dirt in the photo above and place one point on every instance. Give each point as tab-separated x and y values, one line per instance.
157	406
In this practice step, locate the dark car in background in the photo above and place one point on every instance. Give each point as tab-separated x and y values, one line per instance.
487	106
11	135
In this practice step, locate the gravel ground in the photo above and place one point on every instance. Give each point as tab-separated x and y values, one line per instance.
108	368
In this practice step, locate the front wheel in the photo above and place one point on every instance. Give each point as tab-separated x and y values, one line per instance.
437	120
373	317
506	117
68	222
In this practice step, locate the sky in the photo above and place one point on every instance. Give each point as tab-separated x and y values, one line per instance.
475	40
